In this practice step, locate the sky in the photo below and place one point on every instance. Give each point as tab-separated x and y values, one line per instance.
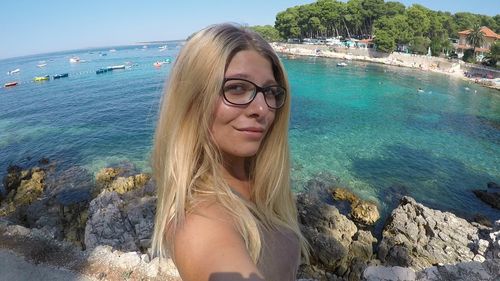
33	26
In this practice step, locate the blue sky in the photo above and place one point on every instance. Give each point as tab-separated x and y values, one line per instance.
33	26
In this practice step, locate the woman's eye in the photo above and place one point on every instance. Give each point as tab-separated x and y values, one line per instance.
236	88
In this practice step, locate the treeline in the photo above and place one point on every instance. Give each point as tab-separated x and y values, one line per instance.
390	23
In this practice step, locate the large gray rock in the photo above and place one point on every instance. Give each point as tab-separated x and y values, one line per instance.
418	237
488	270
106	225
339	250
123	221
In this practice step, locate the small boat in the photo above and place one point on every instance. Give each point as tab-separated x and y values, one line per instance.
103	54
41	65
74	60
58	76
163	48
10	84
160	63
341	64
41	78
14	71
113	67
102	70
112	50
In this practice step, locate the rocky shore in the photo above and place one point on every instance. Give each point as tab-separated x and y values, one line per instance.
99	228
453	68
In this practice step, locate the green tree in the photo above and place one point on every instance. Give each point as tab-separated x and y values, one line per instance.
287	23
267	32
418	20
493	57
396	26
394	8
466	21
468	56
420	45
497	23
371	10
384	41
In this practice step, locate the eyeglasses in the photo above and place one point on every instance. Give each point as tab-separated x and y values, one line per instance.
242	92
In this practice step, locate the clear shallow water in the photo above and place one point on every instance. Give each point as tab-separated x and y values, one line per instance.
365	124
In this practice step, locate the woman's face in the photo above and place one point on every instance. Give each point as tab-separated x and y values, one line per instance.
238	130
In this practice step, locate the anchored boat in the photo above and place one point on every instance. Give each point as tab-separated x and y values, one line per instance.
63	75
41	78
10	84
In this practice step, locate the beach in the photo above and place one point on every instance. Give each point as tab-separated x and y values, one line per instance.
453	68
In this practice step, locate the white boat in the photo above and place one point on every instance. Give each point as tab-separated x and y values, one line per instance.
112	50
41	65
74	60
163	48
113	67
14	71
341	64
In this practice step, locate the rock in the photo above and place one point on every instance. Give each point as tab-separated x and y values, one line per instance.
44	161
362	211
128	260
365	212
124	222
13	178
339	249
493	185
382	273
477	271
25	187
343	194
106	224
114	179
418	237
104	178
490	198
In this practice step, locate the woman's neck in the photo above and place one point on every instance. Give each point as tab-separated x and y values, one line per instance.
236	175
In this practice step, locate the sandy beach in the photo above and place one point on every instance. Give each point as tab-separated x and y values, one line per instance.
453	68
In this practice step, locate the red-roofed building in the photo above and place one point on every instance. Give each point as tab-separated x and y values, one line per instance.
489	38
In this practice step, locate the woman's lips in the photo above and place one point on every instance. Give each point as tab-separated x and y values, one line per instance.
252	132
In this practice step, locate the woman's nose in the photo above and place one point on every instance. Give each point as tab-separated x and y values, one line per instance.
258	105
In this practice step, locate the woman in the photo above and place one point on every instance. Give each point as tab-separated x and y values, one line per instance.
221	161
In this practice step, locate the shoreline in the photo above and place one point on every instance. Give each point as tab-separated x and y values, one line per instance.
455	69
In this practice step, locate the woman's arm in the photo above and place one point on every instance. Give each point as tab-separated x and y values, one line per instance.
208	247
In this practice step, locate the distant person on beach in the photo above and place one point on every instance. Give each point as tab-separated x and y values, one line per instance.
220	159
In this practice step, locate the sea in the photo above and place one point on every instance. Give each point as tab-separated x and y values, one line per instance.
365	126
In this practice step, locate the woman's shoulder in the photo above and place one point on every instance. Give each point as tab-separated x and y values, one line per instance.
209	242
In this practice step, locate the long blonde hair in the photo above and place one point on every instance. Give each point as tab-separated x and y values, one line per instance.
185	160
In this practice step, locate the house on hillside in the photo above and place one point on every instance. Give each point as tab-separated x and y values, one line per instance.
489	38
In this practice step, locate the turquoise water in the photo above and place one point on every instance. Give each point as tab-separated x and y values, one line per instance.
364	124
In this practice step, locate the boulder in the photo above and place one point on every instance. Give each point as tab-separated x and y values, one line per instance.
362	211
123	221
488	197
418	237
338	249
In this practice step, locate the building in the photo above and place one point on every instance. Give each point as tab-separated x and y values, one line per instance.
489	38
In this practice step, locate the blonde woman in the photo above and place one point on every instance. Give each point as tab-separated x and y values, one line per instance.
221	162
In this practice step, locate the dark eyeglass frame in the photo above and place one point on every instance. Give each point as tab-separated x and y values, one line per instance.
257	90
